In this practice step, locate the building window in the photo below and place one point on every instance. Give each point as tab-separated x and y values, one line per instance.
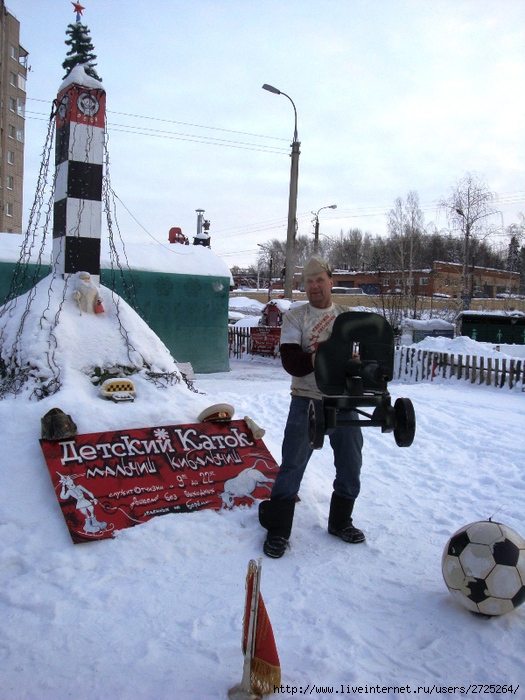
12	79
10	182
9	209
21	107
423	281
447	282
20	135
11	157
386	282
11	131
12	104
14	53
21	82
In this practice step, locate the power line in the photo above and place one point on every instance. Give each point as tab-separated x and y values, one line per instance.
504	199
173	121
198	126
207	140
354	213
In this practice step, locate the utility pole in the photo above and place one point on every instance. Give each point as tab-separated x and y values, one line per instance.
292	201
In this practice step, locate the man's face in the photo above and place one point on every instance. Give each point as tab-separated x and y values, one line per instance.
318	289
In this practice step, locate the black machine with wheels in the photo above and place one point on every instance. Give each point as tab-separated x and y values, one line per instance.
352	370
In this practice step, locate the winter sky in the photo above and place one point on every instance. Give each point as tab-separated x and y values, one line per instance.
391	96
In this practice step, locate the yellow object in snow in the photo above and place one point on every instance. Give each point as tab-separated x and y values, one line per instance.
118	390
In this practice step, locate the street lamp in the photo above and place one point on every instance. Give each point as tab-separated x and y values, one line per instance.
466	290
292	201
316	232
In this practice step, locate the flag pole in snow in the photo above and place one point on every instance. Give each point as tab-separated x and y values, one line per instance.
261	667
243	691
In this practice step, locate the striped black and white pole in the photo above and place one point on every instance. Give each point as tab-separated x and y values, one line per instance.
79	152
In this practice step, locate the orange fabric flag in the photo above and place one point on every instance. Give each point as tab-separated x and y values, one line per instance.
265	667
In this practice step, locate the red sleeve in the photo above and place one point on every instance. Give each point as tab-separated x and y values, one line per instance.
295	360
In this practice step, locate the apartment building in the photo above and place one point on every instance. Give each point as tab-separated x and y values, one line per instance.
13	75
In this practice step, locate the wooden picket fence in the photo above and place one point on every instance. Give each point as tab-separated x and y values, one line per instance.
239	341
415	365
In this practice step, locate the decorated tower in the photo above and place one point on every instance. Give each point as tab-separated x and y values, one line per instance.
79	152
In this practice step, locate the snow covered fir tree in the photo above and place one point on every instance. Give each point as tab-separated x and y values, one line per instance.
81	47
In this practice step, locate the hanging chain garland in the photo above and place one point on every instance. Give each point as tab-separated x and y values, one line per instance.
14	372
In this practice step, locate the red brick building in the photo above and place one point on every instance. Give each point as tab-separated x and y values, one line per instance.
442	278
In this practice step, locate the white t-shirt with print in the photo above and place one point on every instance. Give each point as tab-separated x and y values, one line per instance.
307	326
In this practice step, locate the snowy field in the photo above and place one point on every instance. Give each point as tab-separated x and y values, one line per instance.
157	611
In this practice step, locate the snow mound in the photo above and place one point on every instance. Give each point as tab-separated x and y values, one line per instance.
247	322
246	305
461	345
47	345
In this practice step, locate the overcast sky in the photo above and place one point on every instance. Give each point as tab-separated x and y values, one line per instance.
391	96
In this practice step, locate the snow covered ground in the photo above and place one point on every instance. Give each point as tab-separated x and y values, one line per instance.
157	611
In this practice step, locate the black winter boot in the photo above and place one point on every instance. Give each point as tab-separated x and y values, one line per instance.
277	518
340	521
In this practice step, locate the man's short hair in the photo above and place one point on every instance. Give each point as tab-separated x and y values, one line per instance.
317	264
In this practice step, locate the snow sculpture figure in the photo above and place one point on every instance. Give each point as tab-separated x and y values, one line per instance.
85	293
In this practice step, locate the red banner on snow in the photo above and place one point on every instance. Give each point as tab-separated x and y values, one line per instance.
265	340
113	480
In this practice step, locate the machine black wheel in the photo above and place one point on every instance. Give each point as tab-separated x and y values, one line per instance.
316	425
405	428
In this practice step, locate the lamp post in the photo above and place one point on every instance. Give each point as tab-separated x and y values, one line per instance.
466	289
316	232
292	201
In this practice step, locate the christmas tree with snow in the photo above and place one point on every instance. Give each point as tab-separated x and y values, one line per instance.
81	48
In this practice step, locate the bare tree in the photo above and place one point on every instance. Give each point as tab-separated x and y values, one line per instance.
469	207
405	228
271	258
304	248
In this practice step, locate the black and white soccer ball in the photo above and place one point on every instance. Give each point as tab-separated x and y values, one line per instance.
483	565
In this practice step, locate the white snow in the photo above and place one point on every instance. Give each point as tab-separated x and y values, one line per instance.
157	611
11	247
463	345
78	76
282	304
248	322
427	324
246	305
153	256
169	257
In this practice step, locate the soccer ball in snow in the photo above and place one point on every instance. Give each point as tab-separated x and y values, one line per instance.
483	565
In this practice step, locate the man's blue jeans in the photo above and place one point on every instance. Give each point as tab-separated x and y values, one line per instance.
346	441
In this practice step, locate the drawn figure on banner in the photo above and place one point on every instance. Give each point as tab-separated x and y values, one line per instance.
85	503
244	484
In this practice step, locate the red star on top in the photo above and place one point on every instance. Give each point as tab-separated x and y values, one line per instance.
78	9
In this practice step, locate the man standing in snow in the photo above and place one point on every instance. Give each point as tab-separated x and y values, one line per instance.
304	327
